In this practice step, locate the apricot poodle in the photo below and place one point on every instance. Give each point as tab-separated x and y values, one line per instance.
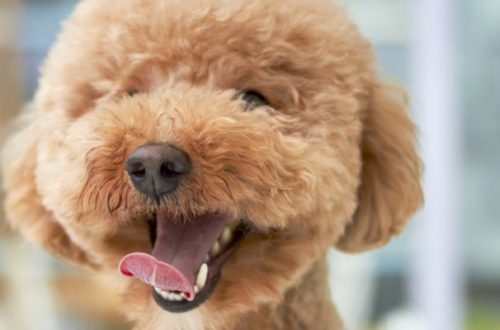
209	153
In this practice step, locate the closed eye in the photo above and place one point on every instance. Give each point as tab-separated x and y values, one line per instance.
132	91
253	99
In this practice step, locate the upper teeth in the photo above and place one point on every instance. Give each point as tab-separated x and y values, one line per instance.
201	278
215	249
225	237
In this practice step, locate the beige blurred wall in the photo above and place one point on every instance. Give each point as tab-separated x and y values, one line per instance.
10	86
10	79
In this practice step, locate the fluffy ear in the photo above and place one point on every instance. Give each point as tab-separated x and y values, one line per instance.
390	190
24	209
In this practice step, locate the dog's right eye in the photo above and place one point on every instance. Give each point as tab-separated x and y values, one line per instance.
132	91
253	99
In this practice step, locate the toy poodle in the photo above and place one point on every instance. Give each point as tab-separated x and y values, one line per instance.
208	153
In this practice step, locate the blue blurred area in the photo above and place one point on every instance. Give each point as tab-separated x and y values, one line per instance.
40	22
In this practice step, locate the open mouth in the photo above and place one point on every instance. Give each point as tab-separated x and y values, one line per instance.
186	260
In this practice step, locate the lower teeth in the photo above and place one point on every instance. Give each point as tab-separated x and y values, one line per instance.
171	296
201	279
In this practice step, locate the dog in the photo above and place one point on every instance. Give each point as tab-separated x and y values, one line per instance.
208	153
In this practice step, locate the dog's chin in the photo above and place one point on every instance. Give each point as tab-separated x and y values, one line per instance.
187	256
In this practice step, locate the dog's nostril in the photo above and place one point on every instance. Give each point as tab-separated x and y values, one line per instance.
167	171
135	168
140	173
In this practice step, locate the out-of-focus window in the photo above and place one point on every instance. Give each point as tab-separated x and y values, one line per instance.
476	43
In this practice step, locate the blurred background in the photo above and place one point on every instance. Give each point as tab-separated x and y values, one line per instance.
442	273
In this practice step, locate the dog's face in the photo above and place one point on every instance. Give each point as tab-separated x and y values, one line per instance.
212	151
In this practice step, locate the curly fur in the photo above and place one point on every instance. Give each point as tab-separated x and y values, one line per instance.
333	162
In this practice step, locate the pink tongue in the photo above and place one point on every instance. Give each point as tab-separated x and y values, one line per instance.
179	250
156	273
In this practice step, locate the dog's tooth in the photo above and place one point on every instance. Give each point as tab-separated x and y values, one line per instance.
172	296
207	258
215	248
196	290
176	297
160	291
226	236
201	278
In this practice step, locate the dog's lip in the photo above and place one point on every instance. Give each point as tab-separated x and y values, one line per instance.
215	265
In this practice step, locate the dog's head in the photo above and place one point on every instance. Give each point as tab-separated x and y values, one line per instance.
202	146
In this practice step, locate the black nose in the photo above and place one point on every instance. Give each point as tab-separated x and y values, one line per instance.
157	169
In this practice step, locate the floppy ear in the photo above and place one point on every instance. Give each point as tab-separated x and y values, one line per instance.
389	191
24	209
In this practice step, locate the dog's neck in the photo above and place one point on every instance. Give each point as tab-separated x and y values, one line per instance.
295	311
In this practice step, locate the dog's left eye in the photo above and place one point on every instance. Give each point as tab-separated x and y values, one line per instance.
254	99
132	91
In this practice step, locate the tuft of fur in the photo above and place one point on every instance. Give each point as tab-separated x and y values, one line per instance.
331	162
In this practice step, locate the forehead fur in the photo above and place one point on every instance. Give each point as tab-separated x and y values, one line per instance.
110	46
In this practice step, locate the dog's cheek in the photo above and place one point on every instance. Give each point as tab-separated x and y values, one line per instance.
57	179
78	163
60	178
272	177
285	186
